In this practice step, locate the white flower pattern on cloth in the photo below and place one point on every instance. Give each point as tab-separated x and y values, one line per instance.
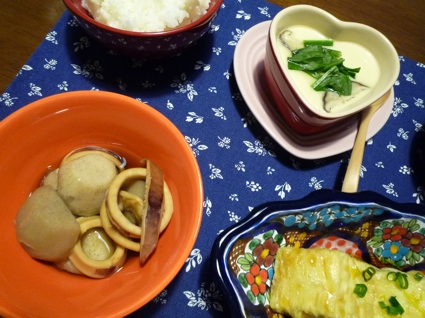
7	100
205	298
241	164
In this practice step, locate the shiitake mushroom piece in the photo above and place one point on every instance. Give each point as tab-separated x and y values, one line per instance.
333	101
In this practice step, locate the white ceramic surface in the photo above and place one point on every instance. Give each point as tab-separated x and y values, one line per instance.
249	71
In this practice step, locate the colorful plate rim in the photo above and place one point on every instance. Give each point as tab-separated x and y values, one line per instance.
258	220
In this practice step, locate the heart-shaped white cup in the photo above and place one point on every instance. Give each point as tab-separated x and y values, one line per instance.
303	116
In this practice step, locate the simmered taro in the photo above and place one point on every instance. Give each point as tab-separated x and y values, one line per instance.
46	227
82	183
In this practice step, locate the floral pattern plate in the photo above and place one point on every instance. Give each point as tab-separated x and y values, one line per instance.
365	225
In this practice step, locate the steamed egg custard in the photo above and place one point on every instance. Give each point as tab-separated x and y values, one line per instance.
91	210
353	56
332	284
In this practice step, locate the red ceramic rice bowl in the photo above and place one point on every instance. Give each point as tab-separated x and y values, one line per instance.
144	44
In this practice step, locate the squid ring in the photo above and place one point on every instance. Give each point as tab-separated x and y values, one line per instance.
115	213
117	217
132	202
168	208
91	267
115	234
119	161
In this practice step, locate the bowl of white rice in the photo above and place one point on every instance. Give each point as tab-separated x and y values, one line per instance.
145	28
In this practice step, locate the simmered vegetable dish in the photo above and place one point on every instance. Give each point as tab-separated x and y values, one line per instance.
91	210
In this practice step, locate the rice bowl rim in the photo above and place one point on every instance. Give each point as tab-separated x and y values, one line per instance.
83	13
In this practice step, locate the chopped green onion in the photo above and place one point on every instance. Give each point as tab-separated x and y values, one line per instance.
392	311
401	278
368	273
382	304
360	290
418	276
319	42
394	308
394	302
403	281
392	276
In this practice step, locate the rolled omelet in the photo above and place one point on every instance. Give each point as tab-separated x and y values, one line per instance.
322	283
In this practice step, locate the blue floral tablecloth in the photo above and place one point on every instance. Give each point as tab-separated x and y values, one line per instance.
242	165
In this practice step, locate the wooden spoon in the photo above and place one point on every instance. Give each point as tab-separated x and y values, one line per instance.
352	175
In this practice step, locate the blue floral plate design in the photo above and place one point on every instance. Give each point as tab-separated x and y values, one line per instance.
365	225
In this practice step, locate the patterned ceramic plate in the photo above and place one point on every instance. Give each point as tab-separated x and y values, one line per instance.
365	225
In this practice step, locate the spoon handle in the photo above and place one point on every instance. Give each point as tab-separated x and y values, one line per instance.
352	175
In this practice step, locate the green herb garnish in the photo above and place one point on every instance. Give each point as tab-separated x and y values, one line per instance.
318	42
368	273
418	276
360	290
382	304
400	278
325	65
394	308
403	281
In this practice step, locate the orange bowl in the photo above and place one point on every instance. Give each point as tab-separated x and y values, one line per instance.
40	135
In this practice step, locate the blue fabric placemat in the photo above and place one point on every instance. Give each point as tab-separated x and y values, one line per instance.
242	166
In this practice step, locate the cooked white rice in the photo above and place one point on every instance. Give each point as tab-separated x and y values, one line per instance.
146	15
